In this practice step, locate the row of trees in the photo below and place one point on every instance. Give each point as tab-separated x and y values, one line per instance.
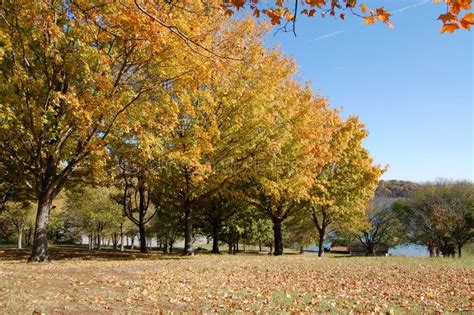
95	94
438	216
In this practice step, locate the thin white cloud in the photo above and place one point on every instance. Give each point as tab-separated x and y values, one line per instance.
423	2
326	36
403	9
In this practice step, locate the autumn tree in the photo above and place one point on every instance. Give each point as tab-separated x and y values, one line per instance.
346	184
296	149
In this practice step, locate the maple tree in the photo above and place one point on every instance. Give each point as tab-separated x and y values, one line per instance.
296	149
342	190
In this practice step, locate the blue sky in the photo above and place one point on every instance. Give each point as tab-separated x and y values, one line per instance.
411	86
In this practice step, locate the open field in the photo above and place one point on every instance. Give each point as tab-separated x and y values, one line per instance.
79	282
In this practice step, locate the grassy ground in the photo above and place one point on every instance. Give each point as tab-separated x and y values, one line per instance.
82	282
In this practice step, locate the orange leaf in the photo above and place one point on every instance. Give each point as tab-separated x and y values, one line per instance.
256	13
369	20
469	17
448	17
450	28
238	3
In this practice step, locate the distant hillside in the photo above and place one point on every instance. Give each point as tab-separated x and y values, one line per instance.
395	188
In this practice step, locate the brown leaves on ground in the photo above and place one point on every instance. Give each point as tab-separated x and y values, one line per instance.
243	282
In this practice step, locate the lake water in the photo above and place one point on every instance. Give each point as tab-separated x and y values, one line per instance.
409	250
401	250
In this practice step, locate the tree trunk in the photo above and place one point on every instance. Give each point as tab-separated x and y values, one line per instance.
121	238
431	250
143	247
371	249
115	240
133	242
20	234
99	241
92	241
142	209
188	230
459	250
40	251
321	234
259	246
165	246
278	237
215	237
28	238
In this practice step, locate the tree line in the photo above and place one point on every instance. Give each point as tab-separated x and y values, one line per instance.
438	216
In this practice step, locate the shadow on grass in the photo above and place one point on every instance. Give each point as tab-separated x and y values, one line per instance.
71	252
266	253
78	252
